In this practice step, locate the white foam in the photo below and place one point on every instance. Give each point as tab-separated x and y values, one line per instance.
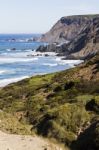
2	72
58	59
51	65
28	50
43	53
50	53
5	60
68	62
8	50
27	53
11	71
5	82
17	53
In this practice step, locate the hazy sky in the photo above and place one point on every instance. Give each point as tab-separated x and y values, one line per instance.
34	16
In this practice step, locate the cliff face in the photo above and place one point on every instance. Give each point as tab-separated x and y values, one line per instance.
67	28
86	42
81	31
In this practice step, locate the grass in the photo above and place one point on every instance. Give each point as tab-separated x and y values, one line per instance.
56	105
10	124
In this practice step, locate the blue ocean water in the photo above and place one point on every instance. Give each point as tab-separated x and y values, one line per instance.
17	62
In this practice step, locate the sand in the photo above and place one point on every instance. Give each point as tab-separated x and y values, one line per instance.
21	142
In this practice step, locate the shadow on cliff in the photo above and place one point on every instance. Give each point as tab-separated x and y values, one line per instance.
89	139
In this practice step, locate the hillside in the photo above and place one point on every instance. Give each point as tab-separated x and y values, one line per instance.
82	33
67	28
62	106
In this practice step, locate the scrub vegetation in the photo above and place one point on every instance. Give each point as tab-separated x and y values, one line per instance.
63	106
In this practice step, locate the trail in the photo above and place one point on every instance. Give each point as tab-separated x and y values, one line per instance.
21	142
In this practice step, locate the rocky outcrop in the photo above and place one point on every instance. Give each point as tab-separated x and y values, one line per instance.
52	48
84	43
87	41
67	28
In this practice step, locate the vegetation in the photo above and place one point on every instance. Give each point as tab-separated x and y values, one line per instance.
63	106
10	124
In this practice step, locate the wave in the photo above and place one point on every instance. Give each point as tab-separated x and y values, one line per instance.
8	50
27	53
60	62
16	60
29	50
11	50
18	50
35	53
68	62
18	40
51	65
58	59
5	82
2	72
17	53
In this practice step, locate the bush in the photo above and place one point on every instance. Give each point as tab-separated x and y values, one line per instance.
93	105
69	85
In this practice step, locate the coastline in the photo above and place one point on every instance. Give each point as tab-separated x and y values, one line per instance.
60	60
13	55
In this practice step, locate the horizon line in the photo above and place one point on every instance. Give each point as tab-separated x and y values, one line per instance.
21	33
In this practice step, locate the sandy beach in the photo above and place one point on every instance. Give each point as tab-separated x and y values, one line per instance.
21	142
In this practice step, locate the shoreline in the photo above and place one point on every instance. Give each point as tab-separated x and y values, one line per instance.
34	55
59	61
6	82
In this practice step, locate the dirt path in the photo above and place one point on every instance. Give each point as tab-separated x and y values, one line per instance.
20	142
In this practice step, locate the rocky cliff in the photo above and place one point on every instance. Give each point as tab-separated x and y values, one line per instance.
67	28
81	31
86	42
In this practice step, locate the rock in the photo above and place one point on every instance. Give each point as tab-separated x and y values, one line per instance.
41	49
13	40
51	48
83	33
13	49
39	55
67	28
46	55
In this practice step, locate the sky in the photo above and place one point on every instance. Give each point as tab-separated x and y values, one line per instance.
38	16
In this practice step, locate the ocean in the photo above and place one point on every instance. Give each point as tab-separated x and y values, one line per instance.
19	59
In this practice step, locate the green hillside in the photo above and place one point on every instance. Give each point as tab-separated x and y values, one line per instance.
62	106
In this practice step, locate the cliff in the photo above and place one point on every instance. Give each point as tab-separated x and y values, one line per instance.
67	28
86	42
83	34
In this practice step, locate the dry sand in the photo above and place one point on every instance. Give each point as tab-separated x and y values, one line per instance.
21	142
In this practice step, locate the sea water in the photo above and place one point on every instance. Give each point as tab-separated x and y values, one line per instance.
19	60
